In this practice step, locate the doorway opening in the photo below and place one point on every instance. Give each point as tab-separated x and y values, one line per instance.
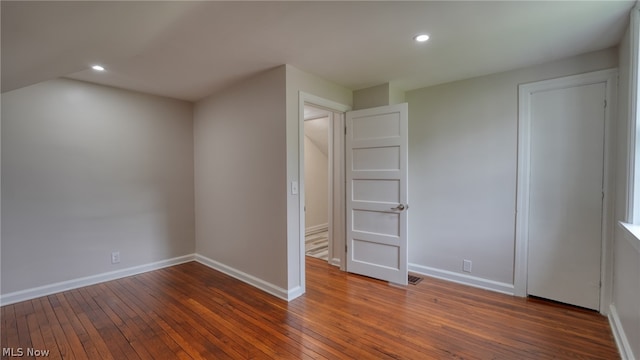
336	224
316	175
367	221
323	175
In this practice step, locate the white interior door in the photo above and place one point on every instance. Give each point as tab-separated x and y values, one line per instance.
376	174
566	194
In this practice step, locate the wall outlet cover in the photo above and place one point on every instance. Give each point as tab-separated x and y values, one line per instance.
466	266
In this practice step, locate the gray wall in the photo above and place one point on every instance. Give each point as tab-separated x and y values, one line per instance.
240	177
379	95
462	168
87	170
371	97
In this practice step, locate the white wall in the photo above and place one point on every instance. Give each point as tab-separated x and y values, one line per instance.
240	178
462	169
626	272
316	175
87	170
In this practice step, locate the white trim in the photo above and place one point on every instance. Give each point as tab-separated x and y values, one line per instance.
45	290
463	279
633	198
609	188
249	279
336	262
330	187
303	98
316	229
624	347
522	194
294	293
338	192
322	102
632	234
522	208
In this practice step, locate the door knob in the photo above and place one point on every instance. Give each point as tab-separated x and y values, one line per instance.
400	207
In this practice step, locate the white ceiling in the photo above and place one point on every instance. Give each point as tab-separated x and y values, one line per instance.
189	50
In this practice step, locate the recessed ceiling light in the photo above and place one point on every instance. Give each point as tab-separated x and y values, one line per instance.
421	38
97	68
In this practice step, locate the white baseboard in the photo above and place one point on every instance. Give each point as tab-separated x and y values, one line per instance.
249	279
316	229
624	347
45	290
40	291
463	279
272	289
294	293
335	262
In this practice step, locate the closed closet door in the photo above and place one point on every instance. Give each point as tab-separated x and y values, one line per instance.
567	131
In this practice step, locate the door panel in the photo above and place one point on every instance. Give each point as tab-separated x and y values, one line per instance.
376	126
566	192
377	158
386	191
376	253
376	222
377	154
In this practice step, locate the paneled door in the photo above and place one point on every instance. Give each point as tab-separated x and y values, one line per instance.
376	175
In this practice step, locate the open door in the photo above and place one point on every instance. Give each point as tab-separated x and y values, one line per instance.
376	175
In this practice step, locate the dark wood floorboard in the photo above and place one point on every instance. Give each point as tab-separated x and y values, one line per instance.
190	311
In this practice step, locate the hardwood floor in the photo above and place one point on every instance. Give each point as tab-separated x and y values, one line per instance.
192	312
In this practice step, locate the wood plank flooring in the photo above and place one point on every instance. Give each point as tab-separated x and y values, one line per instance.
192	312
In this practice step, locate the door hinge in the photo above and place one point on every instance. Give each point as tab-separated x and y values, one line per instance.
605	104
345	130
345	248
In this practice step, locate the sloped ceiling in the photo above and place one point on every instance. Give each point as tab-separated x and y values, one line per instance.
189	50
316	127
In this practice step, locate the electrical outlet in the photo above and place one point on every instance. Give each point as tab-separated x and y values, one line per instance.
115	257
466	266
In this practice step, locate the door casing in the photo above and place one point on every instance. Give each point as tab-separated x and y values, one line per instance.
609	77
306	98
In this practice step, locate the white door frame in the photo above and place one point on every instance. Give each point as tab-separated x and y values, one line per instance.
609	77
332	106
